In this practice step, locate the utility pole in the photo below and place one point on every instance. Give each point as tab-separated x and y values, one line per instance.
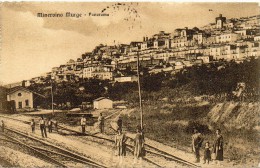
52	98
139	91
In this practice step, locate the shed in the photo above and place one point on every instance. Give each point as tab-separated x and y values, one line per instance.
102	103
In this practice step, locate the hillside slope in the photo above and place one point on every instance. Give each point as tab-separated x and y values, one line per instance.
235	115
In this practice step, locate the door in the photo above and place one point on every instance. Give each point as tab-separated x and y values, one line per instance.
27	103
20	105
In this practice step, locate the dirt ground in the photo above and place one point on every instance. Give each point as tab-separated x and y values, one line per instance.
16	158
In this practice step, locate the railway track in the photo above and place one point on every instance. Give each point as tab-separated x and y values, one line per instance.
154	155
15	143
50	153
152	151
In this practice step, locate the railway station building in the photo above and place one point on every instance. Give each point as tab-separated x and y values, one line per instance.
23	98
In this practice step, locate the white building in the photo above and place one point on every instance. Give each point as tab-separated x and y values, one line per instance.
87	71
126	79
102	103
227	37
103	75
123	79
205	59
144	46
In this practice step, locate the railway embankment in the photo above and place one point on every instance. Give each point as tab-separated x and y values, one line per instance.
236	115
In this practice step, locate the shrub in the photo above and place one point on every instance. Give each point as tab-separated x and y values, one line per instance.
200	127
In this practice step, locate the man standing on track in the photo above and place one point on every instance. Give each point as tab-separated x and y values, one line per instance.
49	125
83	123
196	144
120	123
55	124
139	150
101	123
33	126
120	142
43	127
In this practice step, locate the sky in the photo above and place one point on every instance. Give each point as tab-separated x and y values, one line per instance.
31	45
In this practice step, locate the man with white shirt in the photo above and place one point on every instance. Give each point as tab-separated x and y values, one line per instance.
83	123
43	127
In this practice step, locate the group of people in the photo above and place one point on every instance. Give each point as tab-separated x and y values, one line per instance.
214	153
120	144
44	125
101	123
120	137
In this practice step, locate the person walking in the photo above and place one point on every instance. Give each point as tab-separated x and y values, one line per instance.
101	122
138	144
120	142
43	127
218	147
49	125
207	154
33	125
196	144
83	122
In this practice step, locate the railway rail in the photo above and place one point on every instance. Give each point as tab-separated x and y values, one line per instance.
50	153
152	153
36	152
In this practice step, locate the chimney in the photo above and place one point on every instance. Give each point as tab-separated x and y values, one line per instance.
23	83
144	39
186	28
220	15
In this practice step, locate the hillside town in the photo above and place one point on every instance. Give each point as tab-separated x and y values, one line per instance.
225	39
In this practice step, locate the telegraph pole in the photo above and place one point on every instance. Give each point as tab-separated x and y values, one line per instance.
52	98
139	91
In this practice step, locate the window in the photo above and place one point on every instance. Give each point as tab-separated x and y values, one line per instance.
20	94
27	102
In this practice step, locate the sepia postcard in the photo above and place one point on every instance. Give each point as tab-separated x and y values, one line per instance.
129	84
